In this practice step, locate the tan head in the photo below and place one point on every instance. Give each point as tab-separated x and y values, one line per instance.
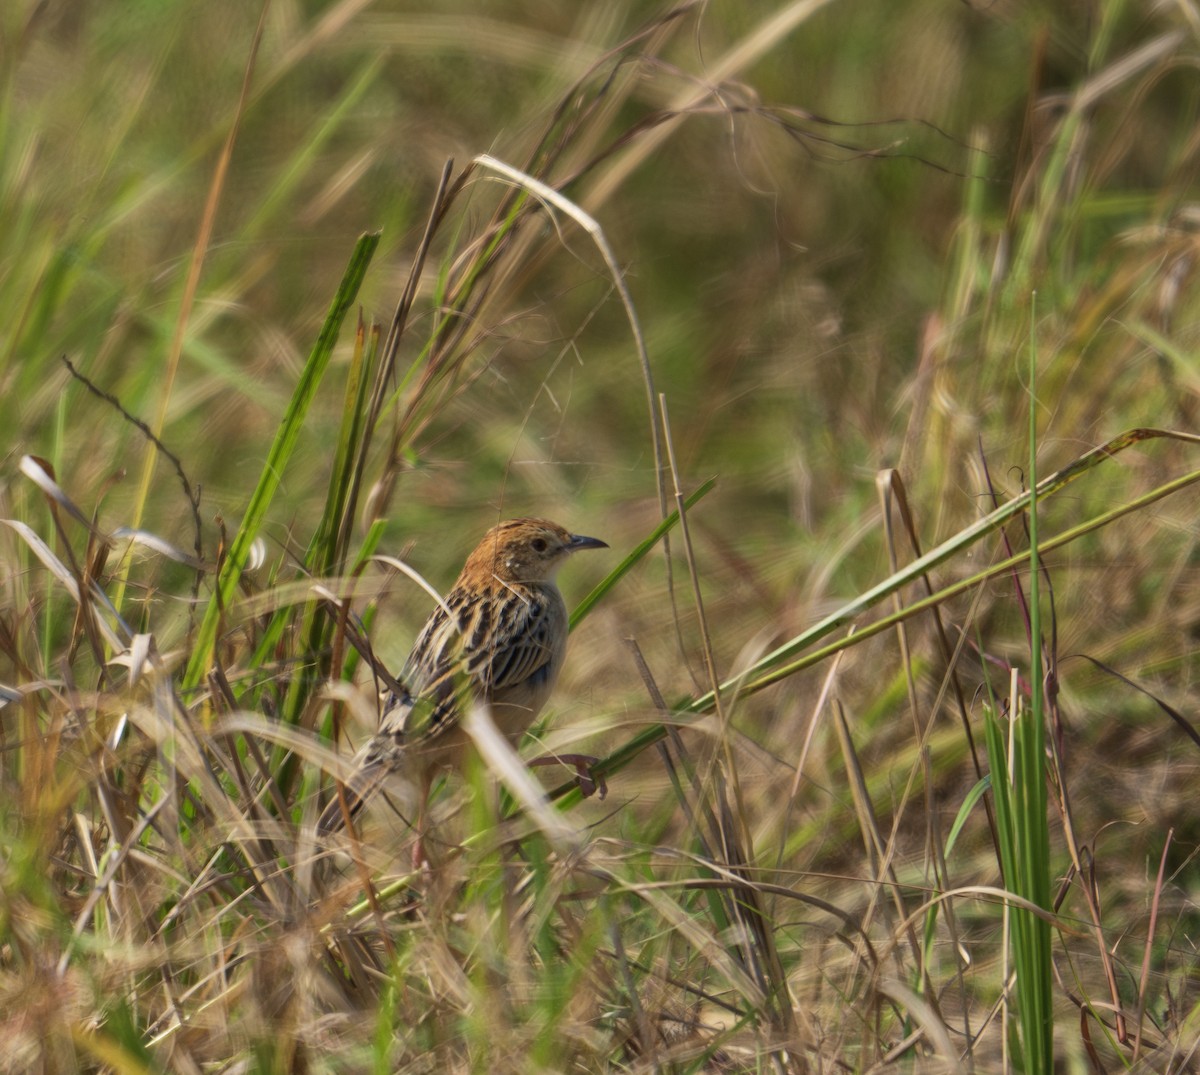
523	550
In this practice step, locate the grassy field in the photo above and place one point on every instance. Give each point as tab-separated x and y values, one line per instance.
293	294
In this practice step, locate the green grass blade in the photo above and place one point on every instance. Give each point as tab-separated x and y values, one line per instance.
625	566
1031	933
281	450
764	672
965	810
326	552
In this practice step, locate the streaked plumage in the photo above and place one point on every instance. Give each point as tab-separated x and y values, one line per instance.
501	638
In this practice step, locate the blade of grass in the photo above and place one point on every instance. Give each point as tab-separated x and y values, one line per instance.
281	450
746	684
949	548
1031	933
625	566
564	205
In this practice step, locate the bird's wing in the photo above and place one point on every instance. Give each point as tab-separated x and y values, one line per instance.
517	648
490	645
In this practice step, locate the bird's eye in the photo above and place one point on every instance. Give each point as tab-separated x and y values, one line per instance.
539	544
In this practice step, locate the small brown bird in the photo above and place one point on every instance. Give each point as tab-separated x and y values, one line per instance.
500	638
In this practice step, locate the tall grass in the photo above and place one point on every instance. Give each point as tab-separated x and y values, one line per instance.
1018	765
899	773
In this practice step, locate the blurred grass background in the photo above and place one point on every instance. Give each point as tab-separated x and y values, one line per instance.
831	218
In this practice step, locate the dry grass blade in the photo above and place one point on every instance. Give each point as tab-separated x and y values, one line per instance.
552	197
502	760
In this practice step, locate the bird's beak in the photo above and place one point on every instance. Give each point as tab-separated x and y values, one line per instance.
578	541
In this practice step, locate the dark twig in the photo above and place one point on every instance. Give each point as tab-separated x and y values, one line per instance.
193	496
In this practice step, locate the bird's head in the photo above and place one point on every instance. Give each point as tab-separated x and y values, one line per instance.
524	551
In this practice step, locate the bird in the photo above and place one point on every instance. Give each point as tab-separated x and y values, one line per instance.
499	637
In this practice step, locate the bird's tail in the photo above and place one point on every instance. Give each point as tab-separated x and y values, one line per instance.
373	764
357	792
